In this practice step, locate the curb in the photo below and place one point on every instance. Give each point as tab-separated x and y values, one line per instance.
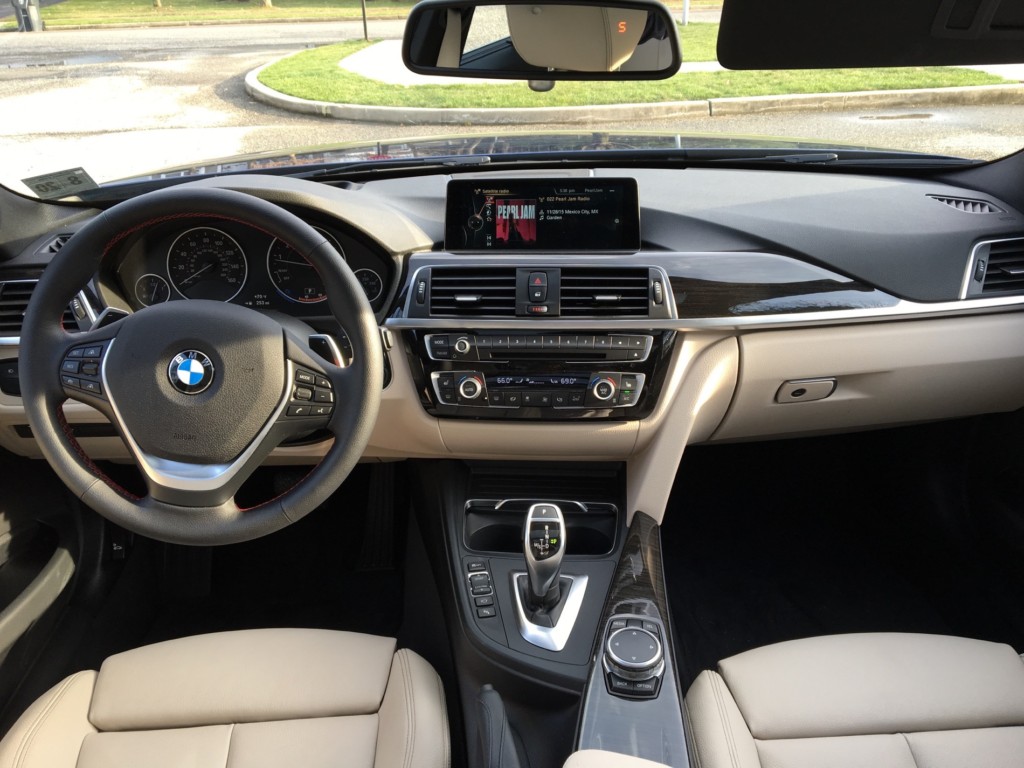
810	102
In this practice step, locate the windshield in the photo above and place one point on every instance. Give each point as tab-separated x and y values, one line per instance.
97	91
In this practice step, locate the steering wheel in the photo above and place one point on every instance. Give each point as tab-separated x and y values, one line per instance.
200	391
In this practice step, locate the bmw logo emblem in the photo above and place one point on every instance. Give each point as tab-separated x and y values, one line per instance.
190	372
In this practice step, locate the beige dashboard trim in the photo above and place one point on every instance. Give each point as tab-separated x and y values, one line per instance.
885	375
697	392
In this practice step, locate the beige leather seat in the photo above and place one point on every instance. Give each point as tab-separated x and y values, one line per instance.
274	698
868	700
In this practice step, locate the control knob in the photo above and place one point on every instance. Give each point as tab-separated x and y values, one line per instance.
634	654
470	388
462	345
603	389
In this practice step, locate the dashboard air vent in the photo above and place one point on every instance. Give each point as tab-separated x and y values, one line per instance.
966	205
56	244
1005	270
14	296
473	291
605	292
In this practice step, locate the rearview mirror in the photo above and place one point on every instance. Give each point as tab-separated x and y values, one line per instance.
521	40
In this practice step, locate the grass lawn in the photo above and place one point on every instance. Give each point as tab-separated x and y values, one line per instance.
315	75
101	12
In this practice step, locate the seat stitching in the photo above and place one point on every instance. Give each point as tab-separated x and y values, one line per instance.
410	710
910	749
716	686
37	724
231	739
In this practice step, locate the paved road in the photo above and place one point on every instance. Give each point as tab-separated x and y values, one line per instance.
123	101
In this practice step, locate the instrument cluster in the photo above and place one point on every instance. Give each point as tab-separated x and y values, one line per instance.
225	261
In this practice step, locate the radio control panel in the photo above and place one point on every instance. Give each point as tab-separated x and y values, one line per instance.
535	346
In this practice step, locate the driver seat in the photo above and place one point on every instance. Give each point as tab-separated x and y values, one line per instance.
249	699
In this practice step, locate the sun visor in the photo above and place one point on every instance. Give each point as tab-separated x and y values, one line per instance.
821	34
575	37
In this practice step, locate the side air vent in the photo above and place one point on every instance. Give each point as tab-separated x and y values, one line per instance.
473	291
1004	272
966	205
604	292
14	296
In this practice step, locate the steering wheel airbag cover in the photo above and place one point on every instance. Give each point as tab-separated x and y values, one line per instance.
214	426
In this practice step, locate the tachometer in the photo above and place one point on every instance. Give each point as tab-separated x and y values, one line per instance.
293	276
206	263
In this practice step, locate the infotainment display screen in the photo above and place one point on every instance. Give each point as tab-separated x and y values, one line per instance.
542	215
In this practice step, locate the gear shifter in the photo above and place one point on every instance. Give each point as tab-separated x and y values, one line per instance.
544	545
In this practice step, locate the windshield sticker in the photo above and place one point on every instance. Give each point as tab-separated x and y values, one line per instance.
50	186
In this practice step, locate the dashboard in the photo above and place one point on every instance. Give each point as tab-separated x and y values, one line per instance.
760	304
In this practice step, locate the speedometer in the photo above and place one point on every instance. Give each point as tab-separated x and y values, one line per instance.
206	263
293	276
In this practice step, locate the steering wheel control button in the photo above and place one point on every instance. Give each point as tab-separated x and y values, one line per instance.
322	410
302	393
190	372
299	410
321	395
80	369
305	377
323	381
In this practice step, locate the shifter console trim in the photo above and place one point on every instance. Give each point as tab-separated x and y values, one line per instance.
550	638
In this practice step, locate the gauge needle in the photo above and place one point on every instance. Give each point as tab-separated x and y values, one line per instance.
197	274
296	263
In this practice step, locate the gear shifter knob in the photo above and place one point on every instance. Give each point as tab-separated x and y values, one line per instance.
544	545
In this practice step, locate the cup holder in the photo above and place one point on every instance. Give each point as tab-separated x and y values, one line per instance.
497	526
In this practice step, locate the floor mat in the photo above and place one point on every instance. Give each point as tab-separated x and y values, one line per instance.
774	541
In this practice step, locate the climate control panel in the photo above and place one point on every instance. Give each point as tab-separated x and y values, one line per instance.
600	389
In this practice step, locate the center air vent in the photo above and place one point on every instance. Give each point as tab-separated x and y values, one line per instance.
967	205
473	291
604	292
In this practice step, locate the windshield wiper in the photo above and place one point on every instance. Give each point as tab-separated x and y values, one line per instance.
440	162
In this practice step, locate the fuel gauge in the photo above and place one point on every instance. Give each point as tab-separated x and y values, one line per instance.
152	289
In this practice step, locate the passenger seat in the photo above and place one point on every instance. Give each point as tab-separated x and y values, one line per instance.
879	700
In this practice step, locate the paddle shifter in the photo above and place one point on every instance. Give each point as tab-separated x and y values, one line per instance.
544	545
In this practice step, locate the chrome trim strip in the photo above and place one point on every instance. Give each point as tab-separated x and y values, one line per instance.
973	258
182	476
902	310
550	638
